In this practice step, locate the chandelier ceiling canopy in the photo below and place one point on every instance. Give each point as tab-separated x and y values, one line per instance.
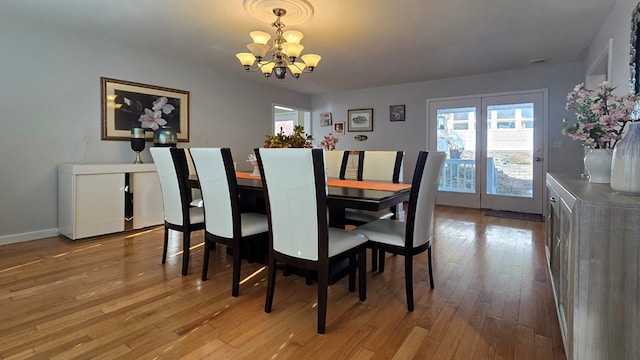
285	52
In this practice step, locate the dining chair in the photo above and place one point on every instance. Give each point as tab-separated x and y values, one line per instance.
179	215
415	235
377	165
224	222
295	192
336	163
196	194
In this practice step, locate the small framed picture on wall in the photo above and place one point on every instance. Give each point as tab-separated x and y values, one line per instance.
325	119
360	120
338	128
396	113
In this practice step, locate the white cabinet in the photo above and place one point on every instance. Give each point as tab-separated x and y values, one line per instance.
593	250
98	199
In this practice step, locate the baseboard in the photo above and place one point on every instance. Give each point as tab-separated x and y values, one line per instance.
34	235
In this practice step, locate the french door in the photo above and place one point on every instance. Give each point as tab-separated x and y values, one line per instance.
494	147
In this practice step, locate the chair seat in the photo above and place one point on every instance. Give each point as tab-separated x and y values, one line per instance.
253	223
197	203
196	214
390	232
365	216
341	240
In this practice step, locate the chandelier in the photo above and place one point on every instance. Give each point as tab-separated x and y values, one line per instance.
286	50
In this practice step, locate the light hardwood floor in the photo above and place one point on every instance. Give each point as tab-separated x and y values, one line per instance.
110	298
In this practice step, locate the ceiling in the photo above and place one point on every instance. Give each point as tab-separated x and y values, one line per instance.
363	43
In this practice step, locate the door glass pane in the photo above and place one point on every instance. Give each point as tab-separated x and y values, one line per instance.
510	150
457	138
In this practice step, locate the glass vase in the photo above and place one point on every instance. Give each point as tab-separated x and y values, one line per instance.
597	162
625	165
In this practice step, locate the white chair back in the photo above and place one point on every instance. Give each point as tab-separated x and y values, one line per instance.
335	163
171	199
212	175
289	177
382	165
424	189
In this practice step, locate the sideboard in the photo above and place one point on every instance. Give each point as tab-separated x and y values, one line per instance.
98	199
593	252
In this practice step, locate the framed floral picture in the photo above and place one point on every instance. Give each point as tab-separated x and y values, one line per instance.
127	105
360	120
338	127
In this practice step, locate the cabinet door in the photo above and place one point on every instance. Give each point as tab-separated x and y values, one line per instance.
147	200
565	295
99	204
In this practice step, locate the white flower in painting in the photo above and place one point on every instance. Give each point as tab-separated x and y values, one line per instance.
161	105
152	119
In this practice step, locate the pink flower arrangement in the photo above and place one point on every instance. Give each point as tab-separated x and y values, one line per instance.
601	115
329	142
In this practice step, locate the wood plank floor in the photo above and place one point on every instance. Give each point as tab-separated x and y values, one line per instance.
110	298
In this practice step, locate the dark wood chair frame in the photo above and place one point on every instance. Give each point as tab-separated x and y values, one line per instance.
408	251
356	255
180	162
233	244
377	257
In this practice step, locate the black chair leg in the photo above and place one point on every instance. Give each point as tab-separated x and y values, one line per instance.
166	244
271	284
408	278
430	267
374	259
362	274
186	244
235	287
381	261
205	265
323	286
353	262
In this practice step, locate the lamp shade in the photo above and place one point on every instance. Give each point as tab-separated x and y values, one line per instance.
311	60
246	59
292	49
293	36
260	37
296	68
266	67
258	50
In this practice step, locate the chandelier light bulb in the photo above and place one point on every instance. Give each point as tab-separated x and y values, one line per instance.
266	67
258	50
292	50
246	59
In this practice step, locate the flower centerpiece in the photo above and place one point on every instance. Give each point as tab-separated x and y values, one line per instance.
601	117
297	139
329	142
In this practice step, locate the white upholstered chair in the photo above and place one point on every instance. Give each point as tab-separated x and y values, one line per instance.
377	165
415	235
224	223
179	215
336	163
296	197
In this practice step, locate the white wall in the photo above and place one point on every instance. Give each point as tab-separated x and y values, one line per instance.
411	135
617	26
50	114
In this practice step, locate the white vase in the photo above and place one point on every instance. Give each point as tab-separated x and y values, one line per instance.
597	162
625	164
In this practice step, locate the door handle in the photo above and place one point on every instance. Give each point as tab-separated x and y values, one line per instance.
538	159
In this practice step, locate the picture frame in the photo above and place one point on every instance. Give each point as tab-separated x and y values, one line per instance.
396	113
325	119
127	105
360	120
338	128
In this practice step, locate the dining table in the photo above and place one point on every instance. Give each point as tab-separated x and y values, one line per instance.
341	194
